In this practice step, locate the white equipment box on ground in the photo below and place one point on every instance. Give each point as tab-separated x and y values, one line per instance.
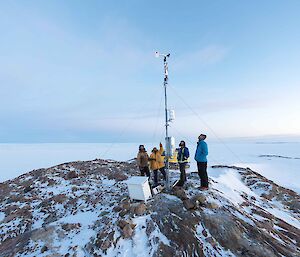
139	188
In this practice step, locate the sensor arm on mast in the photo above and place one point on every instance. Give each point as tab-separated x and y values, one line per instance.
158	54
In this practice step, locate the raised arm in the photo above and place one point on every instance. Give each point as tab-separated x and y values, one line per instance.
161	149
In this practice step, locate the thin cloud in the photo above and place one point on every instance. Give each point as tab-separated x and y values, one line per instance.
206	56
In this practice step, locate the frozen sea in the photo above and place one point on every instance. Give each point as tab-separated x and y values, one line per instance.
17	159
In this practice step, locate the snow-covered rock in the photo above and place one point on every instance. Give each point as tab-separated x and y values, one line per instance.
83	209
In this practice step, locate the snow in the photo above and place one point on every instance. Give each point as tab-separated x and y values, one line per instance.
108	182
284	216
283	171
161	237
230	184
171	197
140	238
17	159
140	245
84	218
244	218
8	229
2	216
227	182
208	249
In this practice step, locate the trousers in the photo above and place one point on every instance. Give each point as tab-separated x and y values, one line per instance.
202	172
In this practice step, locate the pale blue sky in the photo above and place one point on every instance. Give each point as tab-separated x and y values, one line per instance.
85	71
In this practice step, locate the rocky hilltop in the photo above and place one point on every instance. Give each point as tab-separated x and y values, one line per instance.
83	209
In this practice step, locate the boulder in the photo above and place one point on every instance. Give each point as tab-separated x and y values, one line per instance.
118	176
27	189
127	231
123	213
200	198
140	209
117	208
106	244
104	240
122	223
44	249
212	205
125	206
71	174
70	226
60	198
189	204
180	193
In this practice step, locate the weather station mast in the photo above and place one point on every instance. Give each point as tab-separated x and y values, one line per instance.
169	117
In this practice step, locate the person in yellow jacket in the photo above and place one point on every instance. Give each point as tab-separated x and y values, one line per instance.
157	163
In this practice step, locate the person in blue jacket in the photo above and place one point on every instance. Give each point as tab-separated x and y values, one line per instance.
182	158
201	159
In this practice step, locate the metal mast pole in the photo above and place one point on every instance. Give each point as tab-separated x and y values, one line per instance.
167	143
166	120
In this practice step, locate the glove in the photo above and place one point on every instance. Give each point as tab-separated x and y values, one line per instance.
160	144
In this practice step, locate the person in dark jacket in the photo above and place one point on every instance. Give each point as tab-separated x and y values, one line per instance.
182	158
142	160
200	157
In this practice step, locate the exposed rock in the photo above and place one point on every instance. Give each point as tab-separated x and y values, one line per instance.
127	231
125	206
140	209
27	189
212	205
200	198
60	198
178	225
118	176
104	240
123	213
122	223
106	244
43	217
51	182
224	228
189	204
180	193
44	249
211	241
267	188
71	174
117	208
71	226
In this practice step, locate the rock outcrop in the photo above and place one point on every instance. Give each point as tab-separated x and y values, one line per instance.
83	209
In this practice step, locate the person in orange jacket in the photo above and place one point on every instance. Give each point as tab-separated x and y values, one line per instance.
157	163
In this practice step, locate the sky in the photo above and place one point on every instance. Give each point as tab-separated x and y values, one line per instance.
85	71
